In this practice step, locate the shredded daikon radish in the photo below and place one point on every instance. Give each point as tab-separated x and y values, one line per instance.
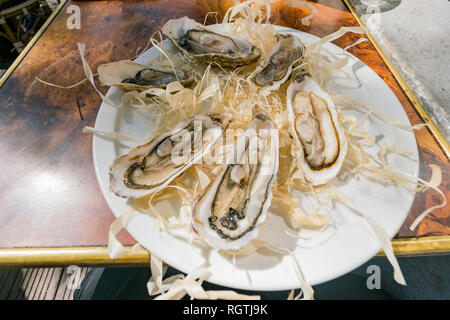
315	46
303	4
110	135
65	87
435	181
384	240
192	285
158	270
89	74
115	248
346	103
306	289
356	43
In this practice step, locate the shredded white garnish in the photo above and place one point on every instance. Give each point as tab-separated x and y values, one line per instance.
115	248
117	136
192	285
435	181
89	74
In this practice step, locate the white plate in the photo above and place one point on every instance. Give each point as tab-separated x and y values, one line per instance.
351	246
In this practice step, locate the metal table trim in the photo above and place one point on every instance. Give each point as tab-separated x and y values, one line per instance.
98	256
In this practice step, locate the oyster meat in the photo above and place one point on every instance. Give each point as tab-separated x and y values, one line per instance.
201	44
152	166
277	68
322	145
134	76
229	211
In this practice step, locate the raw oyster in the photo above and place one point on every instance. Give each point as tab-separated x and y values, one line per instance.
322	145
277	68
229	211
134	76
201	44
152	166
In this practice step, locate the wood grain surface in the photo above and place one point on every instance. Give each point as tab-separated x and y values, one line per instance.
49	194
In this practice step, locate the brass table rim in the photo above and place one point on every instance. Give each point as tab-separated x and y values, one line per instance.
98	255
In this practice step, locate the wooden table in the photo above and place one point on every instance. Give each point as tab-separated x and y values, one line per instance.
51	209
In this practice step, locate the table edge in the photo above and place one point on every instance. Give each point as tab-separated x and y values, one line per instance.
98	256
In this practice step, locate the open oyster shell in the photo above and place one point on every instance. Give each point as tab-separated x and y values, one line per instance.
228	213
134	76
152	166
277	68
203	45
321	143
